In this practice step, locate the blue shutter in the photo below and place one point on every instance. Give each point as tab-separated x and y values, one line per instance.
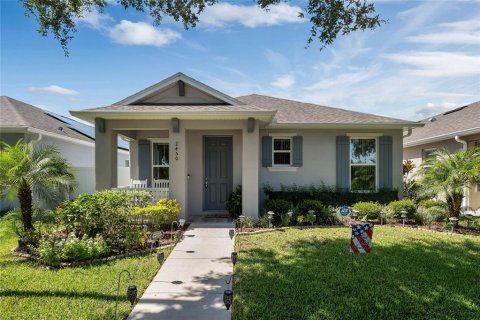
297	151
144	161
343	163
266	151
385	162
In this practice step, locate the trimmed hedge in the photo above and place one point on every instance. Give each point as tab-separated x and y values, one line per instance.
328	195
398	206
368	210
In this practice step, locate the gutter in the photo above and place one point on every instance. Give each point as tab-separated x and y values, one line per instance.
409	133
441	137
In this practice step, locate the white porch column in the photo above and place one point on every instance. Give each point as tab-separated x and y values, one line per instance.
250	168
178	167
105	157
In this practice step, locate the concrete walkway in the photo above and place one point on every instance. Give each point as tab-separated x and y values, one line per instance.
190	283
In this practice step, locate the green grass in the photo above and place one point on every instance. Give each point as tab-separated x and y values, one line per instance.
309	274
31	291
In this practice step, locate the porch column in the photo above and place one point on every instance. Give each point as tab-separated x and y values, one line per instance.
178	167
105	156
250	168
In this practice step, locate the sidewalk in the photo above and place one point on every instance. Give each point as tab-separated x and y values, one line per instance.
191	282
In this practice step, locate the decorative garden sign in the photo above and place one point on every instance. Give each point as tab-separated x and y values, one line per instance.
362	234
344	211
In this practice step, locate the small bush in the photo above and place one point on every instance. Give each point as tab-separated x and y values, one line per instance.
285	219
425	216
263	221
248	222
302	220
278	206
321	212
47	251
234	202
432	203
163	213
398	206
368	210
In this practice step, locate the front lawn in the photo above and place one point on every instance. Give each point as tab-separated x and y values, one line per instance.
309	274
30	291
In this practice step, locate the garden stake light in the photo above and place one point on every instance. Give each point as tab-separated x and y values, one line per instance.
354	214
228	294
453	221
270	218
131	291
403	216
382	216
160	257
234	257
241	218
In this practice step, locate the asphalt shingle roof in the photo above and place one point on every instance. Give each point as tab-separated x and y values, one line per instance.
178	108
15	113
289	111
456	120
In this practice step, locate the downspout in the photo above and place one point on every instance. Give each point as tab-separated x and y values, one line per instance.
466	189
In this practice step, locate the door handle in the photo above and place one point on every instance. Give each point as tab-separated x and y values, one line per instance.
206	183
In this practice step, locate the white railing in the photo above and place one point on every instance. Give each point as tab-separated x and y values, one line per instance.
157	193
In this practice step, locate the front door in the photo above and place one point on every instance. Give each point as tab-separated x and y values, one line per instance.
218	171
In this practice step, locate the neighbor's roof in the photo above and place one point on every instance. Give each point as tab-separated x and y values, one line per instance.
460	121
15	114
289	111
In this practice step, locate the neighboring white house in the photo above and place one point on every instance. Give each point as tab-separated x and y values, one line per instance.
204	143
453	130
75	140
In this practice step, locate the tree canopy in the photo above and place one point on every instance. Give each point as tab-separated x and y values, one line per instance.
328	18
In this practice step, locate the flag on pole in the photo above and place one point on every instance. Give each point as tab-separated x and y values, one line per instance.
362	234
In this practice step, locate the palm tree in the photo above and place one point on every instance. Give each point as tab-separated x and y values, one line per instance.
449	173
39	170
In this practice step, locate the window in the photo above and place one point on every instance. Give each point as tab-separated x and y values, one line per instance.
363	164
282	151
160	161
427	153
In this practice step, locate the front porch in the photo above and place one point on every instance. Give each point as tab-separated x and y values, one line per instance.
198	161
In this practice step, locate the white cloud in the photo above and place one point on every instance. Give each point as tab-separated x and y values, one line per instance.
432	109
459	32
284	82
95	19
141	33
54	89
222	14
438	63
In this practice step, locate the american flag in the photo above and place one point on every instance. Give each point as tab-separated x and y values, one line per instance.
361	238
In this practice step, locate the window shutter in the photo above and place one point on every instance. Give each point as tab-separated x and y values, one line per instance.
266	151
144	161
297	151
385	162
343	165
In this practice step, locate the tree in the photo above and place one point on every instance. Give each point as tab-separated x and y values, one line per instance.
449	173
328	18
41	170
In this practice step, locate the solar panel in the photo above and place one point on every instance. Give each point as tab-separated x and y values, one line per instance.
85	129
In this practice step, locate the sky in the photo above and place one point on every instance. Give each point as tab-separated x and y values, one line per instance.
424	61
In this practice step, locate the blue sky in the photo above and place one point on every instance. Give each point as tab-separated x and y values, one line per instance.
424	61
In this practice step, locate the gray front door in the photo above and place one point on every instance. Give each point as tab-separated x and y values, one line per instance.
218	171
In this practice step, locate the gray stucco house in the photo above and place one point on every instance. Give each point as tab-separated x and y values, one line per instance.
205	142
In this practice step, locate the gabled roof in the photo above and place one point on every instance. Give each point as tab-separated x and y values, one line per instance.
16	115
296	112
460	121
152	103
173	80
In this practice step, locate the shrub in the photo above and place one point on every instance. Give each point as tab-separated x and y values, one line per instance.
47	251
163	213
234	202
248	222
328	195
285	219
432	203
302	220
263	221
398	206
278	206
321	212
425	216
368	210
106	213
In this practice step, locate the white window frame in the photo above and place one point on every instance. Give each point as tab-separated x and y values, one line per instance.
368	137
159	141
424	152
281	151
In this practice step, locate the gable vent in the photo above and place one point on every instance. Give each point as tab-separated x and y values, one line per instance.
181	88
